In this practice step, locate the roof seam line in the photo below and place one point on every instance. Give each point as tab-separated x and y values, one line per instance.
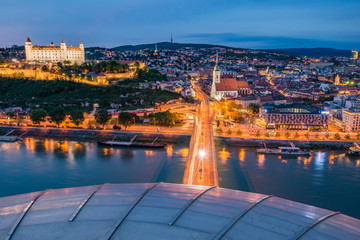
316	222
80	207
22	215
230	224
189	203
118	223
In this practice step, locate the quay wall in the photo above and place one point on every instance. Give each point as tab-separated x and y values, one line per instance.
94	135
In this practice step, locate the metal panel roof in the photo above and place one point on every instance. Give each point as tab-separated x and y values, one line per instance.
148	210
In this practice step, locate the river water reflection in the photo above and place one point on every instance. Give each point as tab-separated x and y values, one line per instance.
36	164
326	179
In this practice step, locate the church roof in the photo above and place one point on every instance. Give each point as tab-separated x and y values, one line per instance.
227	84
242	84
166	211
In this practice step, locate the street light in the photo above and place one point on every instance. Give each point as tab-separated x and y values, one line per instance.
202	153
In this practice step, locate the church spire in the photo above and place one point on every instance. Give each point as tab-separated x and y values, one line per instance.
216	68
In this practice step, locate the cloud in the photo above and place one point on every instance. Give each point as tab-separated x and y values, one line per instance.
253	41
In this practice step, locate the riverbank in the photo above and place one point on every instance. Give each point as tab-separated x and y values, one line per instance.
94	135
259	142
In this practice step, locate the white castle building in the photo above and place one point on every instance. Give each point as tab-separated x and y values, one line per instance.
54	54
227	87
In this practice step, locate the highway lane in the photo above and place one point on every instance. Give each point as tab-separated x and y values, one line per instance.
201	166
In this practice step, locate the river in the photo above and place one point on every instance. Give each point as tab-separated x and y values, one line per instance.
326	179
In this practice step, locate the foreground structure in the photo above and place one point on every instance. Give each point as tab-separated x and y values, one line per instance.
54	54
166	211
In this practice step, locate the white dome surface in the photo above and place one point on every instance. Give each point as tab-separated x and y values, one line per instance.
166	211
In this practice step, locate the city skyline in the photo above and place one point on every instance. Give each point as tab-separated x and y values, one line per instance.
259	25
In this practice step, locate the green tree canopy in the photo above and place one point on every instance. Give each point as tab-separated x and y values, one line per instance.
45	68
77	117
38	115
125	119
102	117
136	65
165	118
253	109
57	115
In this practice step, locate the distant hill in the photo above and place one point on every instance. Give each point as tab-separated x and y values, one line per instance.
167	45
312	52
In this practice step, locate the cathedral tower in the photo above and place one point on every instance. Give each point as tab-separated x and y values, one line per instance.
216	77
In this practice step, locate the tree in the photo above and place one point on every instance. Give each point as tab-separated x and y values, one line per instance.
277	134
45	68
337	136
239	132
166	118
11	115
307	135
327	135
125	119
102	117
57	115
37	116
347	136
253	109
287	134
77	117
237	117
67	62
136	65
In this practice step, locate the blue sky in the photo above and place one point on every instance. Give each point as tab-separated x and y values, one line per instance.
237	23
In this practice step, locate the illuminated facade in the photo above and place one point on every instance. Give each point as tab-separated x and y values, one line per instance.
351	120
54	54
354	57
227	87
294	116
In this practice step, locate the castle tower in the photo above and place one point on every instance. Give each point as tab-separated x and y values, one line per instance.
216	77
28	47
63	45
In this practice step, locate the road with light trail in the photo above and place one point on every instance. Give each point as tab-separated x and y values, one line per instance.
201	166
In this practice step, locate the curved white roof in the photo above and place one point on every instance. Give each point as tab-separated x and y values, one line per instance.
166	211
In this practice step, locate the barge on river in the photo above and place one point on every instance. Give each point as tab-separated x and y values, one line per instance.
289	151
131	143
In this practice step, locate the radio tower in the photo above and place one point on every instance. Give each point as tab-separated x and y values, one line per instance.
171	41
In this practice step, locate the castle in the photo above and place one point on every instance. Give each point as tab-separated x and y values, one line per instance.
227	87
54	54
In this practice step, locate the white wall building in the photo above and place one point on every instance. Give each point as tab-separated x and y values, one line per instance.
351	120
54	54
227	87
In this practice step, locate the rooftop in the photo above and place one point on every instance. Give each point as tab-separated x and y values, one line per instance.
166	211
293	108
